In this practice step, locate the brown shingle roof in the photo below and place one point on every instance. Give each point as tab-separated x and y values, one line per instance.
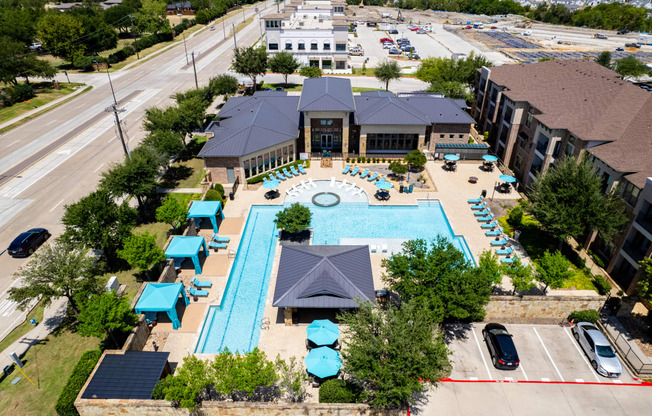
277	16
593	103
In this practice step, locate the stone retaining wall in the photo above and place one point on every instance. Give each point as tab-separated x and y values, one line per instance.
138	336
538	309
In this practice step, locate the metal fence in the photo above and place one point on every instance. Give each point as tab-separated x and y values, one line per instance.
629	351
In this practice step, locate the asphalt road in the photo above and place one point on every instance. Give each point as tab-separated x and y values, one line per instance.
59	156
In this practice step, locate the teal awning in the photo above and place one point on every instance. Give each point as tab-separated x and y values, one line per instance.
187	246
162	297
208	209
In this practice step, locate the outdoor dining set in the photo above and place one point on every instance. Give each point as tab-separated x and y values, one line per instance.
323	360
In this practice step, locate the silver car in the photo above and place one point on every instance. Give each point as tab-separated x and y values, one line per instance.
600	352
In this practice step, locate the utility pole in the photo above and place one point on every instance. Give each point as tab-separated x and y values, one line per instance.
110	83
113	108
243	14
184	47
224	27
133	28
260	25
234	41
194	68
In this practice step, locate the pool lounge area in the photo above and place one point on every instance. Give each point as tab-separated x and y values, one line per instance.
236	323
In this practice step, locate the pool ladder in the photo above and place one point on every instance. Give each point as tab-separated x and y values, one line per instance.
264	323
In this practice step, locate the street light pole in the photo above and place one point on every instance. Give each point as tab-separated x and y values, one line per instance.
184	47
234	41
260	25
223	26
194	68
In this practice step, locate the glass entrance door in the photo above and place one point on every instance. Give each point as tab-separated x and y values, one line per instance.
327	141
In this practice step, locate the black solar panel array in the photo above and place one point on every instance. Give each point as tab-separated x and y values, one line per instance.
511	41
535	56
131	375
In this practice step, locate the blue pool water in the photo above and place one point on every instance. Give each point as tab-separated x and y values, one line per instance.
235	324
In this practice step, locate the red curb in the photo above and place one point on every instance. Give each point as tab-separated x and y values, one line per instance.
590	383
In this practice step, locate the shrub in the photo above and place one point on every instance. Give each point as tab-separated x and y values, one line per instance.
213	195
219	188
602	285
588	315
65	405
598	260
383	159
348	159
19	93
339	391
515	216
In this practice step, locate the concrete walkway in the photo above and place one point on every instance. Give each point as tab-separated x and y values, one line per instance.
52	318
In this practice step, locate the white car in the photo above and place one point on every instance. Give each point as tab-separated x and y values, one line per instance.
388	45
359	23
598	349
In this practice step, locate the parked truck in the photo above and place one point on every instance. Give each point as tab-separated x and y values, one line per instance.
644	40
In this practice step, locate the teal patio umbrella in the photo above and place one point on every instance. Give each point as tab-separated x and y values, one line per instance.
271	184
490	158
323	332
452	157
384	185
323	362
507	178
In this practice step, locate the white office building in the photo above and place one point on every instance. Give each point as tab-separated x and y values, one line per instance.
315	32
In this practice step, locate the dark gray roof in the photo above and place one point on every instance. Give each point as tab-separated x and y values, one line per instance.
323	277
179	5
252	124
131	375
460	103
440	110
387	110
376	94
326	94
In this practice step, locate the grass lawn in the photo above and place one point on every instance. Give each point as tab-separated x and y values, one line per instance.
184	174
56	356
44	94
25	327
286	87
360	89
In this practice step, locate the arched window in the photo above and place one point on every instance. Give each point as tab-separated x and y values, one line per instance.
327	46
313	46
302	46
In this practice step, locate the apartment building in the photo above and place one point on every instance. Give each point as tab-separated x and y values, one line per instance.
539	112
315	32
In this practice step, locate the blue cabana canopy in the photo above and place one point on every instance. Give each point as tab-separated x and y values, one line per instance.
162	297
209	209
186	246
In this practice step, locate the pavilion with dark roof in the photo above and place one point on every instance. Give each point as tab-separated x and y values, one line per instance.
323	277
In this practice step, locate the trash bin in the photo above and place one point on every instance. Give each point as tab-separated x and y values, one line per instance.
400	189
484	193
231	196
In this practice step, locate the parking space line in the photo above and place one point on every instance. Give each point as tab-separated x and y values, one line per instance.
579	351
548	354
523	371
481	355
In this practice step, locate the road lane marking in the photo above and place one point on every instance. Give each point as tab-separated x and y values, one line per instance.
548	354
55	207
579	380
481	355
98	168
52	122
579	351
524	375
618	381
473	378
12	143
546	379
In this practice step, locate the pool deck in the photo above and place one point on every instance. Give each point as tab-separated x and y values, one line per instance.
452	189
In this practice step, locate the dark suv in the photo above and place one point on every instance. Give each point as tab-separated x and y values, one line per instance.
26	243
501	347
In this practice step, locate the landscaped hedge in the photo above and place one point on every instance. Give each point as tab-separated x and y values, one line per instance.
260	178
339	391
588	315
142	43
66	402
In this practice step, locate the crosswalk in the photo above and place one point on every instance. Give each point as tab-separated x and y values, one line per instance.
7	307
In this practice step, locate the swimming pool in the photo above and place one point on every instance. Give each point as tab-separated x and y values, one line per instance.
235	324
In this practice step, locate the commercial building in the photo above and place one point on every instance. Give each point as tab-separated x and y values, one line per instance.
315	32
259	133
540	112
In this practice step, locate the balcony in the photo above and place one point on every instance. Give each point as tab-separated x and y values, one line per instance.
635	251
542	147
644	221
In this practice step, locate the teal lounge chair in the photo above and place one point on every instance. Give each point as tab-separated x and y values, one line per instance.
509	259
215	245
280	176
194	292
286	173
475	201
492	224
294	171
487	218
346	169
365	173
271	177
373	177
494	233
220	239
487	211
479	206
500	242
355	171
504	252
302	170
201	283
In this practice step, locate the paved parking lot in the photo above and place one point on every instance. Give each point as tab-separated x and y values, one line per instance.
548	353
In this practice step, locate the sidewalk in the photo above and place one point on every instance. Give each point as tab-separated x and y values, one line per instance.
52	318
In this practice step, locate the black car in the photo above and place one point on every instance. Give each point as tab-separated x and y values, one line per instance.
622	32
393	32
26	243
501	347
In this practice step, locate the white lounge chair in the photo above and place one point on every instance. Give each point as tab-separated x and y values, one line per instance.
342	184
311	182
383	248
357	191
332	185
350	188
290	192
296	189
373	248
304	185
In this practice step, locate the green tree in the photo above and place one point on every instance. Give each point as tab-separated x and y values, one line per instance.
187	384
568	201
141	251
644	285
150	18
60	269
284	63
515	218
553	270
98	35
390	366
251	61
105	314
16	60
386	71
490	266
165	142
136	176
450	89
630	66
119	16
416	159
96	221
223	84
310	72
520	275
450	74
172	211
294	218
604	59
399	169
59	33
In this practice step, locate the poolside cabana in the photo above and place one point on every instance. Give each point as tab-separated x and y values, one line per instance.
323	277
161	297
187	246
206	209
